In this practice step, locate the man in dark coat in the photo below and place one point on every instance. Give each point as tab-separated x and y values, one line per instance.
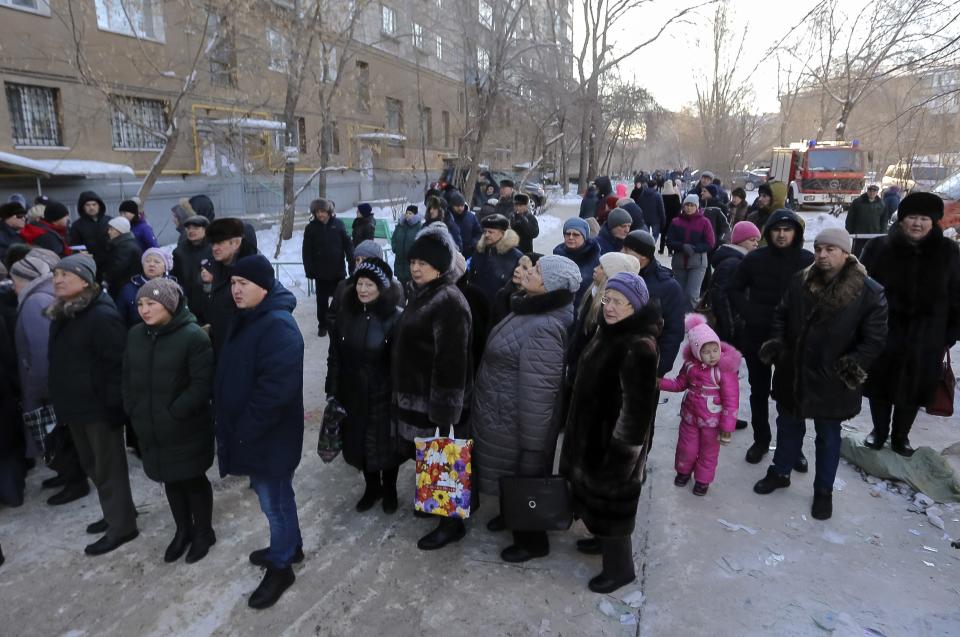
757	286
87	339
50	232
891	201
505	205
467	223
492	265
13	218
588	207
524	223
90	228
327	255
187	259
664	291
725	260
650	201
258	402
826	332
920	271
364	225
227	246
867	215
122	257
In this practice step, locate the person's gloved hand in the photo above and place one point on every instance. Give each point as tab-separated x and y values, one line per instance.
688	249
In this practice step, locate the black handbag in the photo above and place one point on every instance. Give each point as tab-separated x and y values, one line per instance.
536	503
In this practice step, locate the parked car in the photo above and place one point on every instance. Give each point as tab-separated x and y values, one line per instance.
749	179
919	177
535	190
949	191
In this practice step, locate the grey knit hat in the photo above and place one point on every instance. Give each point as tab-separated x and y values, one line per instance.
692	199
166	292
837	237
559	273
82	265
29	268
618	217
368	249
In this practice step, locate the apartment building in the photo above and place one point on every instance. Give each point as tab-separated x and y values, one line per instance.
91	87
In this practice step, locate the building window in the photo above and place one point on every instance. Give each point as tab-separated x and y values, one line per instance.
485	12
363	87
445	122
439	48
483	59
277	51
138	123
328	61
332	138
34	115
136	18
417	36
427	114
32	6
223	53
394	118
291	137
388	20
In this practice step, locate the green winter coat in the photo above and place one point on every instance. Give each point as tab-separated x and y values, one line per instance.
867	217
167	383
403	237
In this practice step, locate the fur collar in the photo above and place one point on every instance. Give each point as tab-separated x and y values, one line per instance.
729	357
69	308
646	322
509	241
904	245
833	296
540	303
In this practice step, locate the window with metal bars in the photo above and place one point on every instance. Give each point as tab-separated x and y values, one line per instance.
34	115
138	123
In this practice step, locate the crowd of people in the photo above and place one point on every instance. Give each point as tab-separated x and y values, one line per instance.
110	342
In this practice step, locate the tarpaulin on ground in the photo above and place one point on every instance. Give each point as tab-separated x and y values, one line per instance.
927	471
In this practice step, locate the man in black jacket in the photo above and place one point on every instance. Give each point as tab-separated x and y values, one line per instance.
524	223
826	332
122	257
227	245
187	258
327	255
90	228
757	286
87	339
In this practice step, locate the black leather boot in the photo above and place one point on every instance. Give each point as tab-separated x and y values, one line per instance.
527	545
875	439
617	565
372	493
757	451
822	507
259	557
272	586
449	530
771	482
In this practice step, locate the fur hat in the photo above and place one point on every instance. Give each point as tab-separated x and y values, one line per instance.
255	269
29	268
521	198
365	210
161	254
921	203
224	229
120	224
54	211
495	222
164	291
377	270
576	224
641	242
11	209
618	217
82	265
368	249
631	286
559	273
614	263
433	248
699	333
744	230
691	198
837	237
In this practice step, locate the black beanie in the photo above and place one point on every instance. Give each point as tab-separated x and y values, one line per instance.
376	270
764	189
921	203
130	206
55	211
641	242
255	269
11	209
430	248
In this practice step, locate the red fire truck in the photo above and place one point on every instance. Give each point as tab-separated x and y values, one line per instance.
820	173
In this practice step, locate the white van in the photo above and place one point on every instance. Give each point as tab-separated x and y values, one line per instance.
919	177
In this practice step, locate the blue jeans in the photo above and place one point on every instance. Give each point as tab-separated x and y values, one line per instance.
278	504
790	433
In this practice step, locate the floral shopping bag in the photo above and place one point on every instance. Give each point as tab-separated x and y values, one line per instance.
444	475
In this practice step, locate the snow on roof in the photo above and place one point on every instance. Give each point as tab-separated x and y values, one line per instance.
249	123
394	137
17	164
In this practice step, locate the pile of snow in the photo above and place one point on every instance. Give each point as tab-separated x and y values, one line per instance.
289	265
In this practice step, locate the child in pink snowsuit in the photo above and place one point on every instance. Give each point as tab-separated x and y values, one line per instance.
708	414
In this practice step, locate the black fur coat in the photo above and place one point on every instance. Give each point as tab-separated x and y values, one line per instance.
611	415
922	285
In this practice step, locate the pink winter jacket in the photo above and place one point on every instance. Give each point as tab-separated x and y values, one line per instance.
713	393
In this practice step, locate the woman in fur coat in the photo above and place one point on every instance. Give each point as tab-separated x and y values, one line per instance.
610	418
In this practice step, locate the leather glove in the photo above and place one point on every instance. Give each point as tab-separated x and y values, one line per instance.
688	249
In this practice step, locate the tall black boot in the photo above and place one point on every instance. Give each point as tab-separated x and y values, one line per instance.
388	487
880	413
903	417
200	496
372	493
617	565
180	507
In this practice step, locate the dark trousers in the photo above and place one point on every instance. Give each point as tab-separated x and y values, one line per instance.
191	502
324	290
279	505
760	376
66	461
900	416
103	456
790	433
617	555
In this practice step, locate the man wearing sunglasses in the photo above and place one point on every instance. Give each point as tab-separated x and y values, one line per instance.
14	218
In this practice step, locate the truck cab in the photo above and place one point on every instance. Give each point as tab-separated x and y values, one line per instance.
820	173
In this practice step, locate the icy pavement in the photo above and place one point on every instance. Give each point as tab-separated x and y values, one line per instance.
879	567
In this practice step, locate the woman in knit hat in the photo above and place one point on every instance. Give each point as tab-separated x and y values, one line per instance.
609	424
431	367
579	247
358	378
168	361
690	238
515	417
156	263
121	259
